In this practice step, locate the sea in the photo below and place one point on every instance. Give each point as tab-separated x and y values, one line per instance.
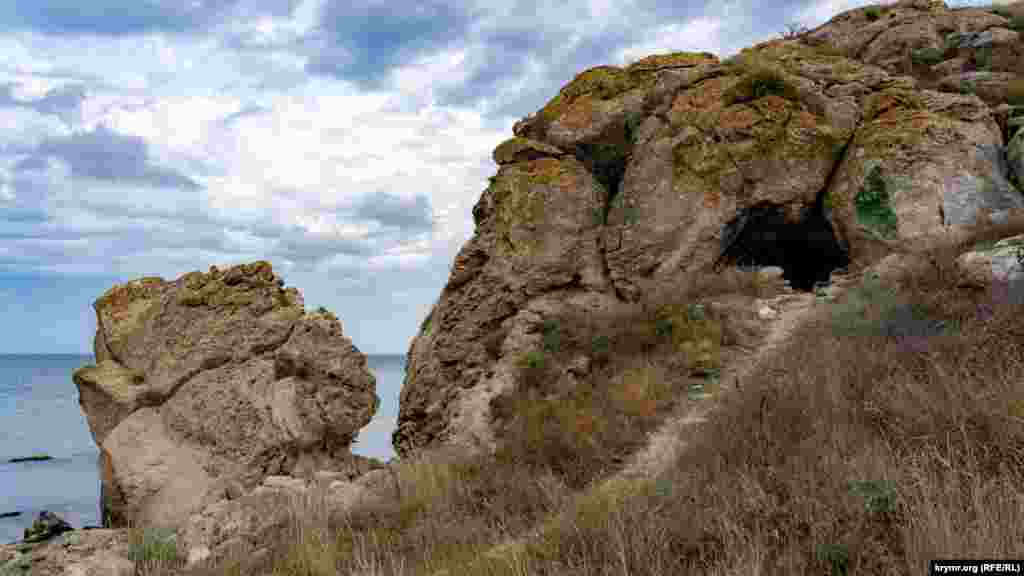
39	414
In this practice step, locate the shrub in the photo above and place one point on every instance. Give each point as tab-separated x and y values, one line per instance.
872	202
836	556
879	495
873	13
631	125
1015	92
983	57
152	545
927	56
552	338
1017	23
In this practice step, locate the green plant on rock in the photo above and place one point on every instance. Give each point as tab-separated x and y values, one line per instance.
1017	23
873	13
968	86
1015	96
983	58
153	545
533	360
663	327
632	124
766	83
879	495
1001	11
927	56
836	556
552	337
758	81
630	215
872	205
20	565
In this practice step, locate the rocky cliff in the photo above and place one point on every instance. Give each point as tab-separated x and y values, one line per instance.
881	128
206	385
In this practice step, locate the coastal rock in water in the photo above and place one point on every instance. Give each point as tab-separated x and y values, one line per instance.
45	526
212	380
832	148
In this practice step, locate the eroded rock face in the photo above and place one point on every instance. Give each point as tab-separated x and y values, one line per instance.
211	381
837	145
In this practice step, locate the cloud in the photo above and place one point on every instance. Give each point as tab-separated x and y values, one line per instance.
106	155
131	17
63	101
392	210
363	43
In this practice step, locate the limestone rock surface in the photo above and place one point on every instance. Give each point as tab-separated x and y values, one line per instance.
836	147
103	552
208	384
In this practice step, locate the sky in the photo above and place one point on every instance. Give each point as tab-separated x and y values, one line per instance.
344	141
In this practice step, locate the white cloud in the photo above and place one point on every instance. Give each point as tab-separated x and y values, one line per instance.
700	35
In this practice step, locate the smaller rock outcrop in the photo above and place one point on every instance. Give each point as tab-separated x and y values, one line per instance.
206	385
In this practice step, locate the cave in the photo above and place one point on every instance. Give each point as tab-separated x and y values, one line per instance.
807	251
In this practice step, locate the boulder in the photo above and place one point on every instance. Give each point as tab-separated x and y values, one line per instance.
206	385
838	147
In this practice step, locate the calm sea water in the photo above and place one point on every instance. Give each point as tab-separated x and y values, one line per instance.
39	413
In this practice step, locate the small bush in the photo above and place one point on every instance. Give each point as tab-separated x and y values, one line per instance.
879	496
836	556
873	13
872	204
927	56
1017	23
552	338
152	545
1015	92
983	58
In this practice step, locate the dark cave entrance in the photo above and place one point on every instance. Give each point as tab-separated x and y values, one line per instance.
807	251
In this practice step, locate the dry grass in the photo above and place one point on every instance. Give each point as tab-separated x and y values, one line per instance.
870	444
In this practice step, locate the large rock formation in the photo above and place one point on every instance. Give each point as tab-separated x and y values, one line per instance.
206	385
810	153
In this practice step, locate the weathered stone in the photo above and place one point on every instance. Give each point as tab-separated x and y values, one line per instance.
250	521
72	553
208	384
808	154
523	150
1004	261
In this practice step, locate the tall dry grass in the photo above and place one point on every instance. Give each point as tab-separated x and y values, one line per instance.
886	432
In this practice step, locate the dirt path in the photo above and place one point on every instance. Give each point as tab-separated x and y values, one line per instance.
791	310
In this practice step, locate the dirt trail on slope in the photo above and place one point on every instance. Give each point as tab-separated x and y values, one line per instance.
665	445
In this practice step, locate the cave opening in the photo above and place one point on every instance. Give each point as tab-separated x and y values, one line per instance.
807	251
